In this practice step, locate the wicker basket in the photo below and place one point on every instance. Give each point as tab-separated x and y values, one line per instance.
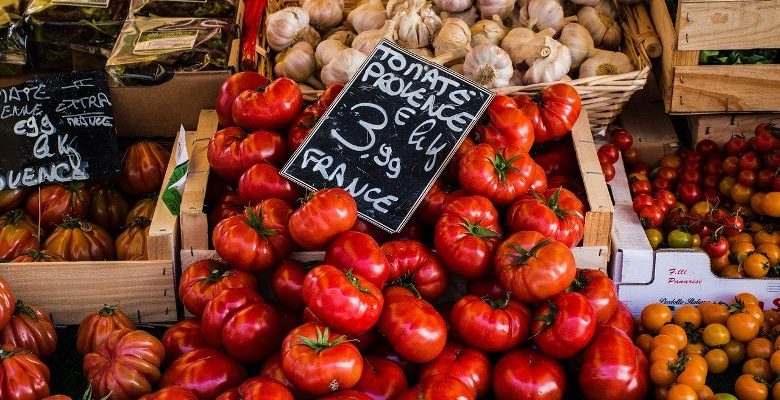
602	96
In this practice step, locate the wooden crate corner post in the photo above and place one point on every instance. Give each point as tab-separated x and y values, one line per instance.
194	221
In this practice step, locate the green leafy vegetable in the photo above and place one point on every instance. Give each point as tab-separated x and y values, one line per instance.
731	57
184	8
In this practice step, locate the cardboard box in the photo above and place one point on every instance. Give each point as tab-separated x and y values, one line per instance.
674	277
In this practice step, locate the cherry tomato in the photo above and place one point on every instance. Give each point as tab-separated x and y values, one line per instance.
621	138
655	316
747	387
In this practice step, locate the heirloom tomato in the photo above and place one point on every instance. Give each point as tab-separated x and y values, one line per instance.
272	368
12	198
108	208
347	394
38	256
434	202
382	379
342	300
553	112
258	388
18	234
30	329
231	152
22	375
126	365
438	387
204	279
558	158
268	107
600	291
262	181
287	284
527	374
302	125
326	214
97	326
318	361
508	126
143	167
50	203
413	327
470	366
622	320
534	268
564	325
466	236
613	368
229	204
170	393
181	339
499	174
555	213
131	243
79	240
372	230
360	253
490	325
205	372
415	267
142	208
231	88
257	240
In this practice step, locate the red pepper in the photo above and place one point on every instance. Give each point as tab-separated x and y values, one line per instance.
253	14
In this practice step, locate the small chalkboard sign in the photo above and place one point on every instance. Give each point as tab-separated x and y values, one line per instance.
389	134
57	128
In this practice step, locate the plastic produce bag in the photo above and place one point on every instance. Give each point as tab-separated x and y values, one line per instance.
184	8
13	43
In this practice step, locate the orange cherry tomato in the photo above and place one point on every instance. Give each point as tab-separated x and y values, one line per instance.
742	249
760	348
716	335
771	251
677	333
756	265
732	271
661	374
655	316
712	313
705	393
643	342
735	351
717	361
687	315
664	354
758	367
774	362
665	342
748	387
681	392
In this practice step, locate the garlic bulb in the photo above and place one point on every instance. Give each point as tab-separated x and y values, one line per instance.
605	7
393	7
578	40
551	63
422	52
606	62
454	38
488	31
289	26
457	68
416	25
296	63
489	8
469	16
488	65
517	78
591	3
541	14
369	14
453	6
605	31
324	14
367	40
522	43
327	50
343	36
339	71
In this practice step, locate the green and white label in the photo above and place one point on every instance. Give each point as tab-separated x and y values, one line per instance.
82	3
173	191
161	42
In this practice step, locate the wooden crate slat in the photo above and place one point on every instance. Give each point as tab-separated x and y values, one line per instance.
720	128
161	243
193	198
729	25
725	88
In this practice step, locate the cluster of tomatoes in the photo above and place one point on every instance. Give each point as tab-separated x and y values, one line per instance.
686	346
80	222
620	142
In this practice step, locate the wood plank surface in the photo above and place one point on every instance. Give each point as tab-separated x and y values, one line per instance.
729	25
721	127
194	221
727	88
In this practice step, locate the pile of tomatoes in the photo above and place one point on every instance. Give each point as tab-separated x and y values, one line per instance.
694	345
85	222
723	201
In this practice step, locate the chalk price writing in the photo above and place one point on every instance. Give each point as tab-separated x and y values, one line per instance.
31	127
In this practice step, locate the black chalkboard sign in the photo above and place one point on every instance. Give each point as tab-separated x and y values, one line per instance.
389	134
57	128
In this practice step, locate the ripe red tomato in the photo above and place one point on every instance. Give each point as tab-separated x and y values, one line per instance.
257	240
499	174
438	387
450	175
205	372
413	327
318	361
715	246
342	300
51	202
12	198
22	375
555	213
490	325
690	175
749	160
262	181
621	138
287	283
272	368
231	152
659	183
126	366
600	291
30	329
639	186
181	339
7	302
713	166
527	374
666	197
231	88
689	193
326	214
143	167
79	240
764	178
108	208
488	286
736	146
608	154
204	279
764	142
466	236
730	167
360	253
258	387
302	125
552	112
347	394
169	393
734	224
534	268
18	234
382	379
241	322
564	325
559	158
270	107
415	267
374	231
707	147
97	326
622	320
641	201
711	181
432	205
772	160
470	366
228	205
509	126
613	368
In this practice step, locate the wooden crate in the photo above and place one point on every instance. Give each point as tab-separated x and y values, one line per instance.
690	88
145	290
721	127
593	253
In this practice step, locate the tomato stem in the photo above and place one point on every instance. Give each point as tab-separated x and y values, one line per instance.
547	318
217	272
405	281
522	256
356	282
503	166
321	342
255	221
20	307
497	304
478	230
107	310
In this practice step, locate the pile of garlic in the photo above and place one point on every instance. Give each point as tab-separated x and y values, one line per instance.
497	43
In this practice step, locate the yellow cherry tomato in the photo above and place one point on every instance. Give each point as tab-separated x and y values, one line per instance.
677	333
655	237
758	367
764	236
741	194
726	184
771	251
771	204
756	265
712	313
681	392
716	335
